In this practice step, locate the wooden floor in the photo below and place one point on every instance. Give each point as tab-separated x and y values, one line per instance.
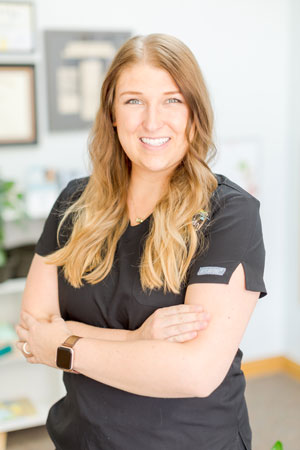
274	411
273	405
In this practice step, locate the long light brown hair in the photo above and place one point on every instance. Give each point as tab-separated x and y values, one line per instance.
100	215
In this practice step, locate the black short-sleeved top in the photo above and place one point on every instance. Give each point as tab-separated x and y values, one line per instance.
96	416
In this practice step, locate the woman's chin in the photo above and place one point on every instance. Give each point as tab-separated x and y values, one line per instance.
155	166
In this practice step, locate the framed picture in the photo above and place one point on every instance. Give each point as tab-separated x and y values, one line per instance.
16	27
17	105
76	65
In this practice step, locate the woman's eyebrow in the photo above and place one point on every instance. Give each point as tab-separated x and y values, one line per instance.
140	93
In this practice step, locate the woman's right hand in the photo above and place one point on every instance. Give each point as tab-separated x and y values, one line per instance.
178	323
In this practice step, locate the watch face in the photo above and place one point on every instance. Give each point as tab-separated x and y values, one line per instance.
64	358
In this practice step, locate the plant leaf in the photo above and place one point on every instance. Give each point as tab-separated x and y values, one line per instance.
8	204
277	446
6	186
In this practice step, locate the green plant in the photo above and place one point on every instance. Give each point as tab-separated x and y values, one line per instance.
277	446
9	199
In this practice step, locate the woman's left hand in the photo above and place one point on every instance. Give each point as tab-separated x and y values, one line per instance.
42	338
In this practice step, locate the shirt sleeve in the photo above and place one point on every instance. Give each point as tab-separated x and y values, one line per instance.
48	242
234	236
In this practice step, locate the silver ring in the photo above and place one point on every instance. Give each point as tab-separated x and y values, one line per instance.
24	349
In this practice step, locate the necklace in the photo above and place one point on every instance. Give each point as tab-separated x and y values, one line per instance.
137	219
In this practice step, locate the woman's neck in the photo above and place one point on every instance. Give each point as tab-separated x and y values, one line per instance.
143	194
145	188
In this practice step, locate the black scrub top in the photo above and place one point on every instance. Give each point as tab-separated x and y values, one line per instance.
96	416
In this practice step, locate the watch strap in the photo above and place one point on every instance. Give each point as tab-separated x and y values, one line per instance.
71	341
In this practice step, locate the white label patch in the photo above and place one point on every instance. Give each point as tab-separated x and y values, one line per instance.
211	270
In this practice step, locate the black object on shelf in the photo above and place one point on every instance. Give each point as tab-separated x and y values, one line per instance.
18	262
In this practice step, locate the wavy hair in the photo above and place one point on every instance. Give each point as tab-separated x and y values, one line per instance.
173	240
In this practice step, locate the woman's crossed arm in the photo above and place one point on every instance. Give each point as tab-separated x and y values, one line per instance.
157	368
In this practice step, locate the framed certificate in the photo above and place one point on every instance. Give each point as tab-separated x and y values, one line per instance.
76	65
16	27
17	105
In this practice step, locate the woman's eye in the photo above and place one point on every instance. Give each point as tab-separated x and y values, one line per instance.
174	100
134	101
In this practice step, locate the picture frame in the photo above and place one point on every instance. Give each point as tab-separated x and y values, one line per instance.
76	63
18	124
16	27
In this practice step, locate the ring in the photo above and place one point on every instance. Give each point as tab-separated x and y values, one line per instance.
24	349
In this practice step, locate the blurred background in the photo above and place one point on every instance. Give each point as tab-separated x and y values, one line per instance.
53	56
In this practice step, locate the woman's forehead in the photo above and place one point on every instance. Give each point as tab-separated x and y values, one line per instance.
142	77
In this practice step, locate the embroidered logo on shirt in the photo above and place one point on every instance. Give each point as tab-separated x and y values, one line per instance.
210	270
199	218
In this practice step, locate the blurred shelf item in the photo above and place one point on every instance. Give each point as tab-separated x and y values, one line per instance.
12	286
27	420
26	233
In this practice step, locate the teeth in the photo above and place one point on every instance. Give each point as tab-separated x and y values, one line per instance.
155	142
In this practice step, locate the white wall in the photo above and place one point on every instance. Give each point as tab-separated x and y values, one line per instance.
244	50
292	283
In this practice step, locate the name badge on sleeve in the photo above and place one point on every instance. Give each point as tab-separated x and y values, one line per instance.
211	270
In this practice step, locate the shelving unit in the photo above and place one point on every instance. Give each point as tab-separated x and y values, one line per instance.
42	385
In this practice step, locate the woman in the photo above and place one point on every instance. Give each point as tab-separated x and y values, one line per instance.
150	247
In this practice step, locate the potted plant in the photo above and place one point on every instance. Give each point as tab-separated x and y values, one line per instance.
11	200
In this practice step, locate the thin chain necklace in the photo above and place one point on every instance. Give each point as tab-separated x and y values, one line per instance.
137	219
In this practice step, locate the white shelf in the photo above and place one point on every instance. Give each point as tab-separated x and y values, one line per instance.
12	286
42	385
10	358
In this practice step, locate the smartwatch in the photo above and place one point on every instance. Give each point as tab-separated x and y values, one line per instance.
65	354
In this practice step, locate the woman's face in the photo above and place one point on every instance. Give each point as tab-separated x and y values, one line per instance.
151	117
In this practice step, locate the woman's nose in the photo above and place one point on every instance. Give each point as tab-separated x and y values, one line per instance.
153	119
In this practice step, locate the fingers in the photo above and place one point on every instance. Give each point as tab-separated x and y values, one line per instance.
24	348
27	319
31	360
183	328
179	322
56	318
185	318
183	337
22	333
22	323
19	345
182	308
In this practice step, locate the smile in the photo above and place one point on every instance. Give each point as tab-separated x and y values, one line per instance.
155	142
